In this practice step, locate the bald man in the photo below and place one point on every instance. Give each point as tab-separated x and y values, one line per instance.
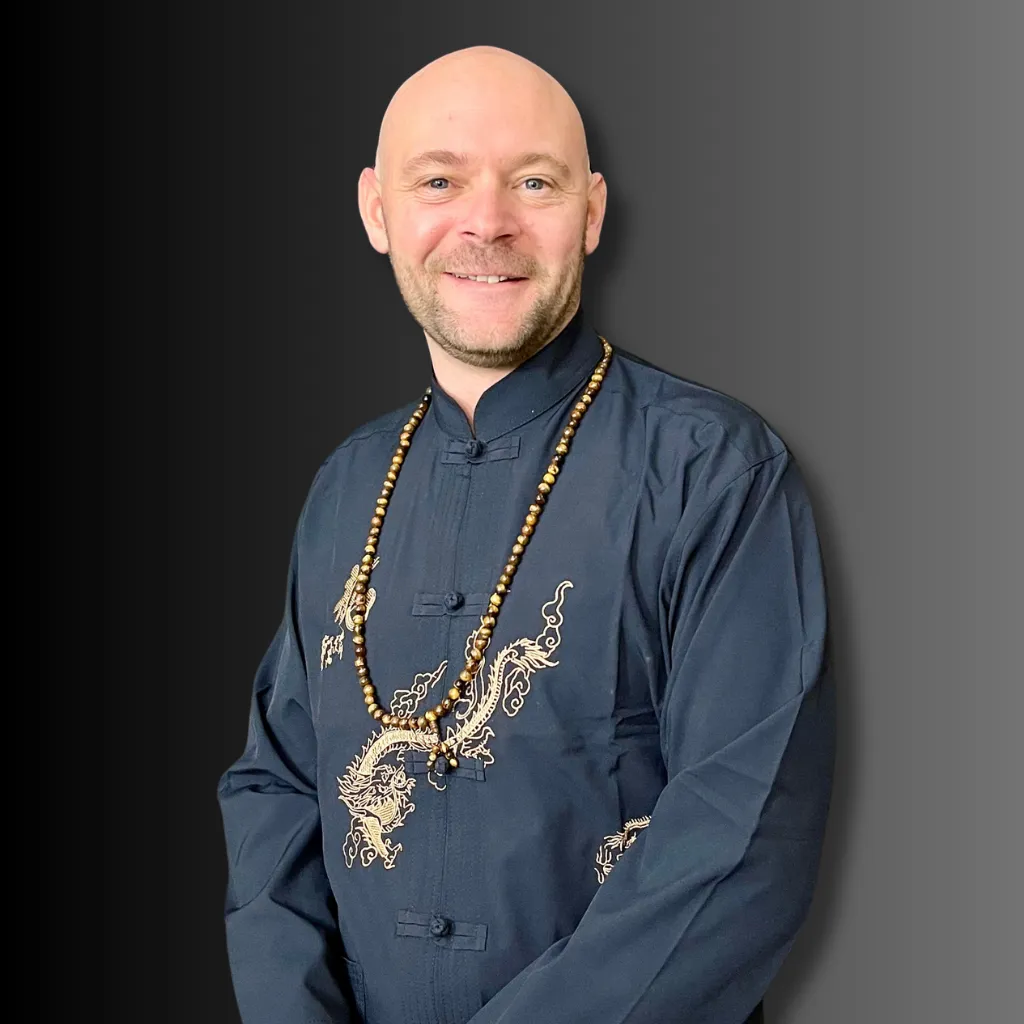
544	735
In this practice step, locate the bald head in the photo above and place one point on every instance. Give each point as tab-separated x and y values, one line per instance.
479	81
483	198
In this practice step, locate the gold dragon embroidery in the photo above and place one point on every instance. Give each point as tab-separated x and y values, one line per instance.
615	846
333	645
377	791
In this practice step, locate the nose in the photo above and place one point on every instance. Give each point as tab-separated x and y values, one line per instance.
488	214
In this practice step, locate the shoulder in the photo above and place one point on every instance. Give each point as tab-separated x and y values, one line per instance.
688	417
359	457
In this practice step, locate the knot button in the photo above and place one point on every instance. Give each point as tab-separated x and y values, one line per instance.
452	600
439	926
474	448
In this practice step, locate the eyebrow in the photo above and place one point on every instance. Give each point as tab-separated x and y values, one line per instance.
446	158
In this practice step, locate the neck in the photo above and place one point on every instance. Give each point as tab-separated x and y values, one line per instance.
465	383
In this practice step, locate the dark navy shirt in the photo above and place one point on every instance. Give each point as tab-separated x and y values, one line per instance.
634	828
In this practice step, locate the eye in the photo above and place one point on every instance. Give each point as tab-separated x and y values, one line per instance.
538	181
431	182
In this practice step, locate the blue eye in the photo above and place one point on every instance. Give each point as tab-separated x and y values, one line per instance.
539	180
432	180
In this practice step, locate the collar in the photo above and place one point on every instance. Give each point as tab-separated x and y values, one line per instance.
532	388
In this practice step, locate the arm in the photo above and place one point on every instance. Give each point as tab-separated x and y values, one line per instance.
283	942
698	914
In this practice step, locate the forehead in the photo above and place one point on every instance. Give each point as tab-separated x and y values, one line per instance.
487	121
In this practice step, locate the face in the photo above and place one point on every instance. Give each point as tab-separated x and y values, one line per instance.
486	176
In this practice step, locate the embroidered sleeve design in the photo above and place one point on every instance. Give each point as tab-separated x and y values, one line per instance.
616	845
375	787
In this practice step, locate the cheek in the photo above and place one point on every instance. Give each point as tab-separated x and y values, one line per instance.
418	234
558	244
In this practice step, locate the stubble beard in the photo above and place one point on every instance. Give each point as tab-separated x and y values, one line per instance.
548	314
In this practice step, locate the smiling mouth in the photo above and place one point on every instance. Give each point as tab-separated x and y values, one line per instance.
485	278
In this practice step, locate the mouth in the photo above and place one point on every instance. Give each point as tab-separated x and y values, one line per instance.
485	280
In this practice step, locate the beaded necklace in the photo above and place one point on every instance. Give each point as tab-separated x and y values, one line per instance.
429	721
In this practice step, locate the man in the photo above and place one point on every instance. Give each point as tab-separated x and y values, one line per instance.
543	736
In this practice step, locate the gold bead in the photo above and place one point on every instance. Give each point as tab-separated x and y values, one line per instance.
382	501
500	588
386	720
526	529
495	599
455	693
453	761
510	568
504	580
466	676
553	469
369	688
430	716
372	708
484	631
358	638
531	519
370	700
398	458
480	643
517	548
523	539
476	654
535	509
422	721
568	432
548	478
488	620
358	619
586	399
561	448
440	709
378	714
446	704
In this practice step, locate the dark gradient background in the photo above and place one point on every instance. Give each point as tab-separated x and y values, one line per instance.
815	207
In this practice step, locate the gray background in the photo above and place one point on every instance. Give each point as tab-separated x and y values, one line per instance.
814	207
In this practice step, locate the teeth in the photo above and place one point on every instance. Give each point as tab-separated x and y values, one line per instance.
490	278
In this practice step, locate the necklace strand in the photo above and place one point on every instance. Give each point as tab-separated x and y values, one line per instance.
429	721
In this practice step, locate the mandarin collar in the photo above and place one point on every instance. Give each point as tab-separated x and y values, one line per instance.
532	388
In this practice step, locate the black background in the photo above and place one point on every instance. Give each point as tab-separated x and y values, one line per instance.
813	206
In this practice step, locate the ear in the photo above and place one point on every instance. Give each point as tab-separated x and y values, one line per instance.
597	199
371	209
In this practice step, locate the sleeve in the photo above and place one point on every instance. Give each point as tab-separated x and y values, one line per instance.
283	943
697	915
